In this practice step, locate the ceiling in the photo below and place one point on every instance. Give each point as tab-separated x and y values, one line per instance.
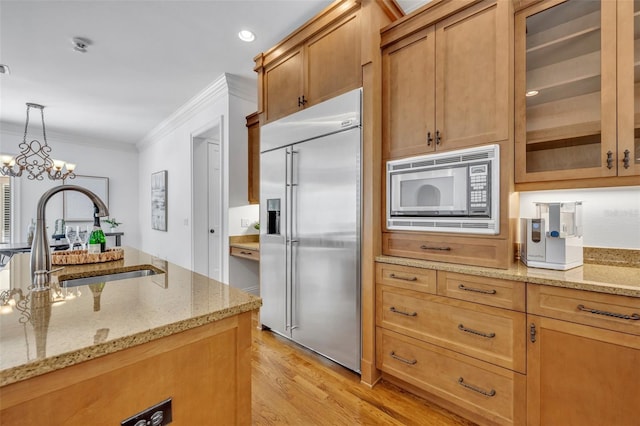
146	59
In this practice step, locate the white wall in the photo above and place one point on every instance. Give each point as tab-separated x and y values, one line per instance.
168	147
611	216
118	163
249	212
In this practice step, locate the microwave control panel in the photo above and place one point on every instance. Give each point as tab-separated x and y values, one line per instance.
479	190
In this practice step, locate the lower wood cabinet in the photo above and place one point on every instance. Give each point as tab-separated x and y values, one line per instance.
507	352
456	345
205	370
581	375
577	373
494	394
492	253
491	334
245	253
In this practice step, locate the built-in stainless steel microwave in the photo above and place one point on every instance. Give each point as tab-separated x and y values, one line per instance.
453	191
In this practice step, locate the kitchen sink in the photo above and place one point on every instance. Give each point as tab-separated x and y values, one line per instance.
144	271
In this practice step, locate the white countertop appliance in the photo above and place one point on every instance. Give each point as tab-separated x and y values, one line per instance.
553	239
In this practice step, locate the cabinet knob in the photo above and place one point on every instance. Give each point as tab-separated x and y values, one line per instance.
212	231
429	139
438	137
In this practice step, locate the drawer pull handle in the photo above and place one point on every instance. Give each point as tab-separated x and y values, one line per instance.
398	277
246	252
461	382
632	317
409	314
626	158
406	361
476	290
423	247
478	333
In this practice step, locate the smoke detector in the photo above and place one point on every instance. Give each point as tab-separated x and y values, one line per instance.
80	44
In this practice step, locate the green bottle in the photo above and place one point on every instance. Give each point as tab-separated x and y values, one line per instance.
97	240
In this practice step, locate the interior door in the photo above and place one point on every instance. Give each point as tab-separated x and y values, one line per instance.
326	246
214	192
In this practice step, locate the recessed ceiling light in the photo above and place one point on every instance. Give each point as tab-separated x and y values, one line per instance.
246	35
531	93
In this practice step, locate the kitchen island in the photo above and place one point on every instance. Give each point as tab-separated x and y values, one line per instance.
110	350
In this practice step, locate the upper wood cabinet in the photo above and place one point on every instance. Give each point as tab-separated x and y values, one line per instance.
253	141
446	80
576	91
323	65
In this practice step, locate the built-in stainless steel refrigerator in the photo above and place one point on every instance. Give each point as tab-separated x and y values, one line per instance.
310	227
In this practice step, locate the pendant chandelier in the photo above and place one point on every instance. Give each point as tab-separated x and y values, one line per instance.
34	157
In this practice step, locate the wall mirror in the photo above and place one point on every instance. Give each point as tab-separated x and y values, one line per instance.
78	207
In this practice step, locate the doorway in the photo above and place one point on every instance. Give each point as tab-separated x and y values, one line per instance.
207	203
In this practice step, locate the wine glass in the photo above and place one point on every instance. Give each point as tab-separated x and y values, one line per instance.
83	235
70	233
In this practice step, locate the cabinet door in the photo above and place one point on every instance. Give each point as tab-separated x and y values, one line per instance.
408	99
253	140
333	62
473	76
581	375
284	86
565	90
628	163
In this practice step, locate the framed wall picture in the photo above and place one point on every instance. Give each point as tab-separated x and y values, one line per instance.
159	200
77	207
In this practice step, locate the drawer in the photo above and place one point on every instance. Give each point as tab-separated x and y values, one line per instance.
610	311
494	393
406	277
493	253
491	334
246	253
488	291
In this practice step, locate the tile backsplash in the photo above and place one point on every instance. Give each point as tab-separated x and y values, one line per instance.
611	216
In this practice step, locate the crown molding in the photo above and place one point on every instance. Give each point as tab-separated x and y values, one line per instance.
225	85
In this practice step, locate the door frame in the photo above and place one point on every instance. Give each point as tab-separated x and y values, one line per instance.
202	137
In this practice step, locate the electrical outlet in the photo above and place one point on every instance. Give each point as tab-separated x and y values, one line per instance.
244	223
158	415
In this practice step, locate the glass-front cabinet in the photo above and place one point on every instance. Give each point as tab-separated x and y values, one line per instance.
575	97
629	87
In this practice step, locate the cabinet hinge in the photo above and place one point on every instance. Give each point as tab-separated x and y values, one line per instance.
532	332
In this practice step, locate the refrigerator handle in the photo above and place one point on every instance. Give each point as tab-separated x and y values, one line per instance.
293	234
287	240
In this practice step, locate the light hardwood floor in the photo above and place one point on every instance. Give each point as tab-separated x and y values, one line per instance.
294	386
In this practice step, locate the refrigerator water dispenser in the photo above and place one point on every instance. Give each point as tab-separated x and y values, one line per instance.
273	216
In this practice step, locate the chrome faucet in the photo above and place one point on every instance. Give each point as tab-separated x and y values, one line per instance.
40	252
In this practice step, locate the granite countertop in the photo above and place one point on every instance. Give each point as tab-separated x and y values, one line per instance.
600	278
246	242
46	331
